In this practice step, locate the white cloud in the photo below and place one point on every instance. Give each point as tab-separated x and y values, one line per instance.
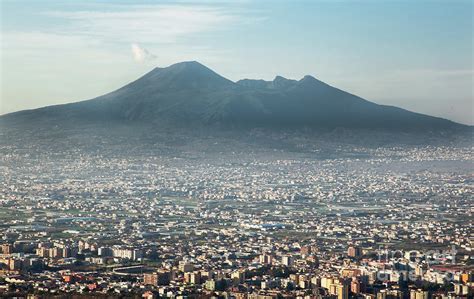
146	24
141	54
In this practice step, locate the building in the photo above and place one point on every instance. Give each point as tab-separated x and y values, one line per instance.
467	277
354	251
461	290
55	252
192	277
185	266
42	252
195	278
7	248
419	294
238	277
160	277
265	259
149	295
342	291
67	252
287	260
215	285
355	286
390	294
305	250
351	272
326	282
105	251
125	253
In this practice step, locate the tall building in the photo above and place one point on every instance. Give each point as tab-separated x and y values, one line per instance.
149	295
238	277
105	251
131	254
215	285
15	264
326	282
295	278
160	277
187	277
265	259
467	277
342	291
56	252
7	248
185	266
355	286
354	251
419	294
390	294
211	285
195	278
304	284
461	290
287	260
192	277
66	252
351	272
42	252
305	250
315	282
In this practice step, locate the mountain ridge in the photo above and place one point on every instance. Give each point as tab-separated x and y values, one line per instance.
189	93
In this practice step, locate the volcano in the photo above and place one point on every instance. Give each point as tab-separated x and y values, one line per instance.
190	94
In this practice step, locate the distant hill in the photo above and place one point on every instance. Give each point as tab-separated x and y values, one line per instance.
190	94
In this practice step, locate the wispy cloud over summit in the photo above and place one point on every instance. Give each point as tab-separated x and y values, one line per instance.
141	54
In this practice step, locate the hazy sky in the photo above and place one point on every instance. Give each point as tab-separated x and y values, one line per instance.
414	54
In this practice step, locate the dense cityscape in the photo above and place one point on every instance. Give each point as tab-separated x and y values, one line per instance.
381	222
244	149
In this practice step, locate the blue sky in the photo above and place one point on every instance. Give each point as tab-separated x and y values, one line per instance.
414	54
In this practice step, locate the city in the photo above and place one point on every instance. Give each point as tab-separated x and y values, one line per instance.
374	223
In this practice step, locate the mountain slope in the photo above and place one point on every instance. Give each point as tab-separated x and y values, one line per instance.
190	94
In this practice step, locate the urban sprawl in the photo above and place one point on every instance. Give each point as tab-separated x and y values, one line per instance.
369	223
